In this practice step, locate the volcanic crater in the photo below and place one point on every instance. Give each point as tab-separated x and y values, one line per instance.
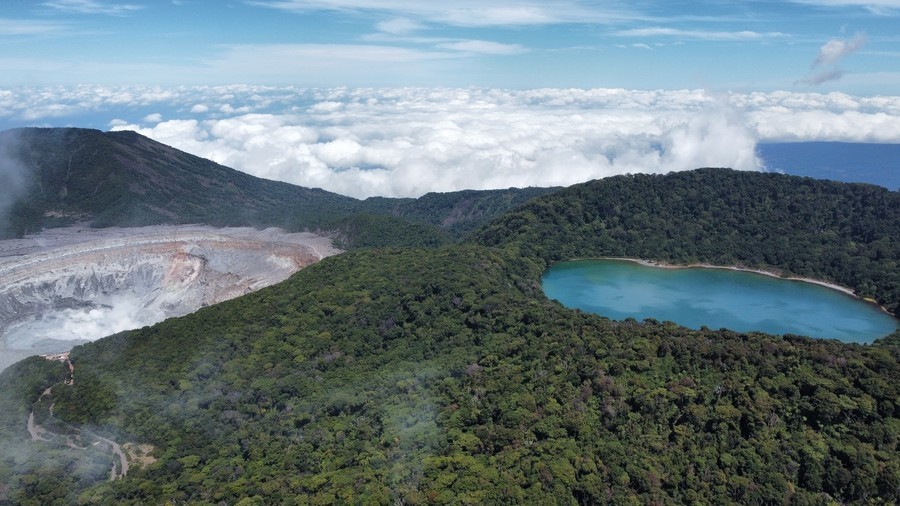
63	287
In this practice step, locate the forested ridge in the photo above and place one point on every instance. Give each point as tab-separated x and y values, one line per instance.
847	234
61	176
444	376
123	179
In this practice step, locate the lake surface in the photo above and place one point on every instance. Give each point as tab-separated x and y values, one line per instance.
715	298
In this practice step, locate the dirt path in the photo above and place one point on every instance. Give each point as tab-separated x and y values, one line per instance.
38	433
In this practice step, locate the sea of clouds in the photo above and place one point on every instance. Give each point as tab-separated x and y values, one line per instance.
404	142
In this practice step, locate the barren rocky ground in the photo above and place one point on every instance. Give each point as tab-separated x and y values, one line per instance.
63	287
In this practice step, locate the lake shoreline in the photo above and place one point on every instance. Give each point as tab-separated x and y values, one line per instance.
703	295
665	265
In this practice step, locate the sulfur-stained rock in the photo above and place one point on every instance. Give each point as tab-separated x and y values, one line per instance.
63	287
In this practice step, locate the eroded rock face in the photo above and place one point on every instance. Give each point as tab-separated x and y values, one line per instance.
67	286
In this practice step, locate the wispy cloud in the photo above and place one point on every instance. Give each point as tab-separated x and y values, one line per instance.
399	26
880	7
823	77
700	34
93	7
332	63
472	13
830	54
484	47
406	31
24	27
638	45
835	50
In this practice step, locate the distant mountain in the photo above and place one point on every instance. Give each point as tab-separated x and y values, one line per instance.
125	179
456	213
67	175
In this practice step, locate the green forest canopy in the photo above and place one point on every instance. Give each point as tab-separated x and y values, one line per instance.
438	376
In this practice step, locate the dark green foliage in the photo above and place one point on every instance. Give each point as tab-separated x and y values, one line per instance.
39	473
124	179
442	376
844	233
457	213
22	383
381	231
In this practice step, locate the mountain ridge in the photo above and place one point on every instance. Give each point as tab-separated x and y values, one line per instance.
845	233
125	179
443	375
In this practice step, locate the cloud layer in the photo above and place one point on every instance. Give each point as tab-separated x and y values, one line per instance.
409	141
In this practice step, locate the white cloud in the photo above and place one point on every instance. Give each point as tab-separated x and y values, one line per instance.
399	26
700	34
153	118
93	7
199	109
835	50
24	27
483	47
470	13
412	141
882	7
409	141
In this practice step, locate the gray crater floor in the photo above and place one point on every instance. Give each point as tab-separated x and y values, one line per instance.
64	287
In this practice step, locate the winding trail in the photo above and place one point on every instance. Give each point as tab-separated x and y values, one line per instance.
40	434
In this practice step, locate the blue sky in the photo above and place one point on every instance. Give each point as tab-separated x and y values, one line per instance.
403	97
823	45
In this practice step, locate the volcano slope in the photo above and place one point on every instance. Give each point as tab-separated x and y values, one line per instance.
62	176
123	179
444	376
99	280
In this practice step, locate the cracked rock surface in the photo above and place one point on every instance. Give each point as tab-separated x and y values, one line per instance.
64	287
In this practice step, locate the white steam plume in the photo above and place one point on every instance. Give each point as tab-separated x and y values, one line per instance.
13	176
830	54
835	50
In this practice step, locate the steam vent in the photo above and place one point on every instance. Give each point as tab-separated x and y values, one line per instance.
64	287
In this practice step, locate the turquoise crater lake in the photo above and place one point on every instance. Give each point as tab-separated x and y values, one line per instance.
715	298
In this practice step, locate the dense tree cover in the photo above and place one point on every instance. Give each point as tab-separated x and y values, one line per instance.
381	231
68	175
456	213
40	473
839	232
442	376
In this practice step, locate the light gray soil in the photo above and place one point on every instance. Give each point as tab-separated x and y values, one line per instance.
68	286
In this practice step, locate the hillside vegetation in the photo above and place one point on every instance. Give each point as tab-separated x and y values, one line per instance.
848	234
69	175
124	179
444	376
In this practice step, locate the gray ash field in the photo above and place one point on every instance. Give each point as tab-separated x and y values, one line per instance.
63	287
